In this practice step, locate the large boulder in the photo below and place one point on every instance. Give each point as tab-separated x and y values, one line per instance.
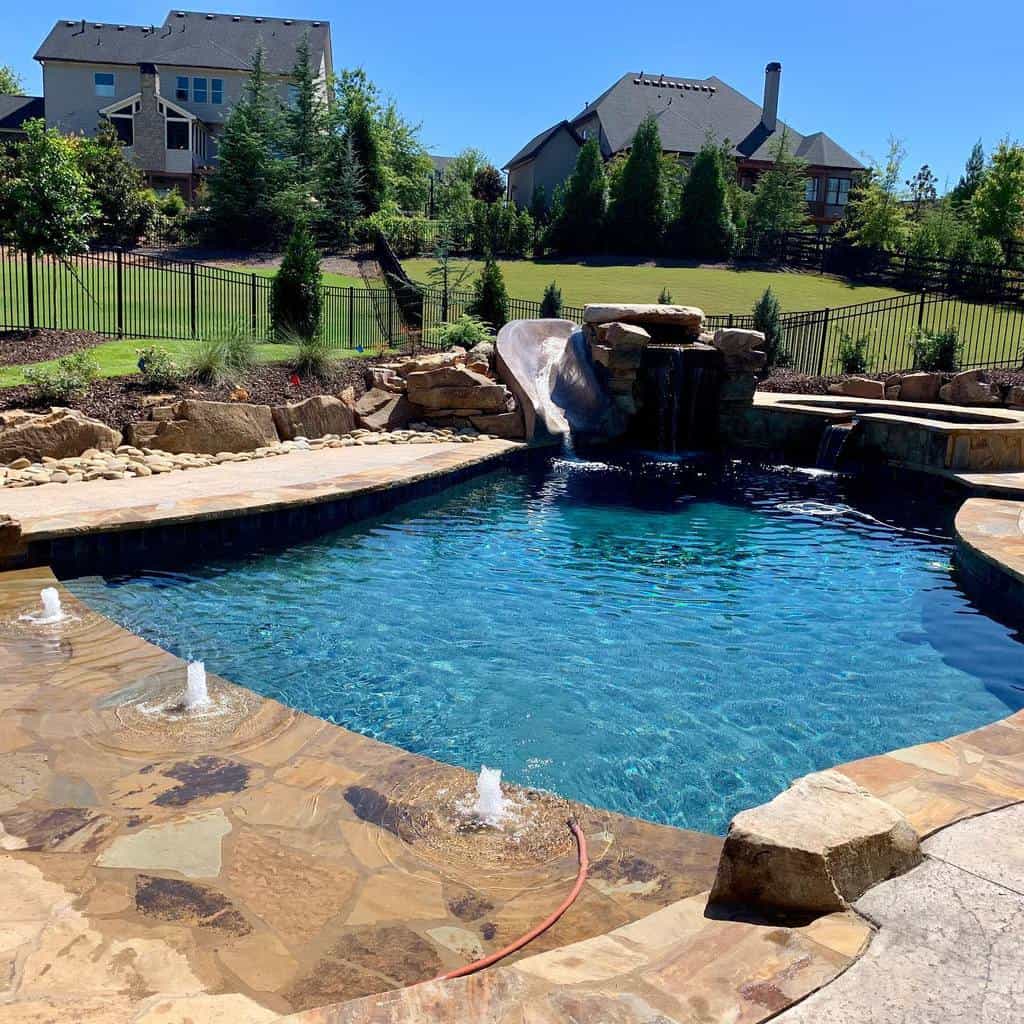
734	341
858	387
207	428
58	434
815	848
972	387
314	417
623	337
444	377
689	318
382	410
920	387
433	361
508	425
482	397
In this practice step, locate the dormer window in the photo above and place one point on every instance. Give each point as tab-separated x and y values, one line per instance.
103	82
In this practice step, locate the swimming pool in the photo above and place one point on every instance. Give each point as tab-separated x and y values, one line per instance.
669	640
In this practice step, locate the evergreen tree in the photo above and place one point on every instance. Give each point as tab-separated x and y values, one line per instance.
341	181
998	204
124	209
636	214
780	196
974	171
579	224
551	304
248	176
490	298
539	205
10	81
766	320
295	292
705	228
923	191
305	119
665	298
366	146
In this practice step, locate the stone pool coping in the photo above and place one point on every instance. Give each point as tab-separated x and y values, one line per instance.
119	915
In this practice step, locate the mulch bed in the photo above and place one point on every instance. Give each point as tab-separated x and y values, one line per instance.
792	383
36	346
118	401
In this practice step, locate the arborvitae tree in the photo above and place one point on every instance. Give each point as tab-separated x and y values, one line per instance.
974	171
295	292
341	180
780	196
539	205
705	227
551	304
488	185
665	298
766	320
305	119
580	222
636	214
248	173
363	134
490	298
124	208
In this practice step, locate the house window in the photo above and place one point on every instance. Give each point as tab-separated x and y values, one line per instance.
124	125
293	95
198	90
177	134
216	90
181	88
811	189
838	191
104	83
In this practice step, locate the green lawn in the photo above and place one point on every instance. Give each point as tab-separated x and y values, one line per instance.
715	290
120	358
342	280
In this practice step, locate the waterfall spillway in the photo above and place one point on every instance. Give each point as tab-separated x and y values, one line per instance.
679	397
490	803
830	447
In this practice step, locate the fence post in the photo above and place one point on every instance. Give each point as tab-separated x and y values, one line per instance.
730	319
120	292
824	340
351	317
920	309
252	302
30	289
192	297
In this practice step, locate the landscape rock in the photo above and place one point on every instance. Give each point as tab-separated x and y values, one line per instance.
383	377
858	387
208	428
732	341
507	425
394	414
482	352
444	377
920	387
56	434
1015	396
433	361
971	387
485	398
689	318
314	417
620	336
816	847
892	392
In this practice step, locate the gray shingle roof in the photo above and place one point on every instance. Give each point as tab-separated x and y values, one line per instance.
688	110
189	39
16	110
535	144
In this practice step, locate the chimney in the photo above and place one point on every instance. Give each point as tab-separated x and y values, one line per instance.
770	107
149	81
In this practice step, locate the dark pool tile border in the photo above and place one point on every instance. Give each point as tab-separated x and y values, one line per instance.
114	551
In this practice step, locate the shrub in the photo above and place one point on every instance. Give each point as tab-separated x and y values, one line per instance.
295	293
853	352
488	185
766	320
551	304
158	368
69	378
467	331
490	298
705	229
665	298
228	352
314	358
936	351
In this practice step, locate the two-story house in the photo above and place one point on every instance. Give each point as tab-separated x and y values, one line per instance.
168	89
688	111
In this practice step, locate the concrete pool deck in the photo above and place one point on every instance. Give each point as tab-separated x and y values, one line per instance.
259	871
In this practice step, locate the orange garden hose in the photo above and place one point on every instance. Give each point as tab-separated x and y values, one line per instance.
493	958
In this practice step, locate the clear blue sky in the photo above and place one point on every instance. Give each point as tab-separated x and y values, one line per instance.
939	75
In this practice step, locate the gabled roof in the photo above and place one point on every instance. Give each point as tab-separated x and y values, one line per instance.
539	141
190	39
688	110
16	110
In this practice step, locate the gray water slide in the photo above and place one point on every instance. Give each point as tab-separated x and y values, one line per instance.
548	367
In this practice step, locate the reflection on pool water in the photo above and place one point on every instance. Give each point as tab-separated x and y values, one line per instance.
668	641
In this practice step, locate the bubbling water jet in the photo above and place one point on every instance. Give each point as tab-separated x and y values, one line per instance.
197	695
52	610
490	807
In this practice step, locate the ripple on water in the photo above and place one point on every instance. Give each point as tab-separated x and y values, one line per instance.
671	642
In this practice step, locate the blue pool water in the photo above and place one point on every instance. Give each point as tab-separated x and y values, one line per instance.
670	643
